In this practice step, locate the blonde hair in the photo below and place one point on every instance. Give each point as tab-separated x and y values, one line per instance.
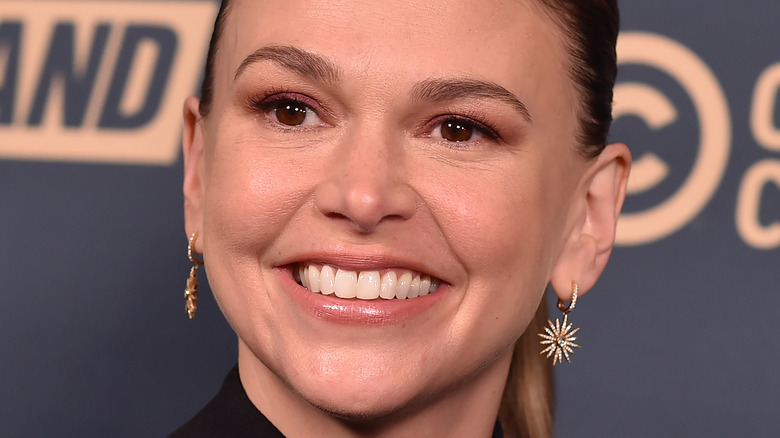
528	405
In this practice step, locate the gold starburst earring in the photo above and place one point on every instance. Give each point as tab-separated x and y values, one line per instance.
560	338
191	292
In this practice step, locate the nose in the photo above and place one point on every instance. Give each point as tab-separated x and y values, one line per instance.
366	183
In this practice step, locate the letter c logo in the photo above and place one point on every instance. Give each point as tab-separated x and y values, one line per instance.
657	111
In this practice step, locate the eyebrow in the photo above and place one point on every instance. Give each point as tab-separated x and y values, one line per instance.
321	69
440	90
305	64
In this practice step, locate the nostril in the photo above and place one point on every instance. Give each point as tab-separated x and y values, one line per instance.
365	199
335	216
394	217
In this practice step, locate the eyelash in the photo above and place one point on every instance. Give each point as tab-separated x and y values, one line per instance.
272	98
468	119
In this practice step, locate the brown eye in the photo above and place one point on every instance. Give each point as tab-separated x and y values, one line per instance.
457	130
291	113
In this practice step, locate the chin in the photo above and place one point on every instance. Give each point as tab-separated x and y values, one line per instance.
364	400
367	407
362	412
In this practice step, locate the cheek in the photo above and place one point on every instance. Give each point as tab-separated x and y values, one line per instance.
496	224
252	193
242	204
498	221
505	226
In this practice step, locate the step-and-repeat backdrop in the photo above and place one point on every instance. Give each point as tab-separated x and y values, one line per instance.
680	335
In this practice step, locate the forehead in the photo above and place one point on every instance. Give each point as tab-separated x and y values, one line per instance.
461	34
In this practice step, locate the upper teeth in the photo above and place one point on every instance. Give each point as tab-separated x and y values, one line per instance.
366	285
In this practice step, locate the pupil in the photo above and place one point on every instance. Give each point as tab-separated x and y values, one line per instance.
291	114
456	131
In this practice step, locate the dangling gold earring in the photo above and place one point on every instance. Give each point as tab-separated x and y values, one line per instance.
191	292
560	337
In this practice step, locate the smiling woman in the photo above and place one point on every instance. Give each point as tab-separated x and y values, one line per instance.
381	196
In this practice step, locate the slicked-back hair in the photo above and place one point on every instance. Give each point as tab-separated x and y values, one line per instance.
591	29
207	87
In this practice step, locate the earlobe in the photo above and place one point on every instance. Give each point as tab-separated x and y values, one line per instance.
587	250
192	150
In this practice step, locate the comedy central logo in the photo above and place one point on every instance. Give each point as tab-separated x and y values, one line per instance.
98	81
659	161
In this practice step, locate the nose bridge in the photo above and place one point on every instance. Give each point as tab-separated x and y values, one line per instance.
366	181
367	159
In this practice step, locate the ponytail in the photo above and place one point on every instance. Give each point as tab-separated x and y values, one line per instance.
527	406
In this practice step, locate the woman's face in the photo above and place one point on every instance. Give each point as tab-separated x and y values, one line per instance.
387	140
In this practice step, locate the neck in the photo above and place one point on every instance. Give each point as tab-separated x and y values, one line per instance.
468	409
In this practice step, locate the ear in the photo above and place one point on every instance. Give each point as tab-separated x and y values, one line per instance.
597	208
192	148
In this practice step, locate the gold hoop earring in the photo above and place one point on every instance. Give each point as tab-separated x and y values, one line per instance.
191	291
559	338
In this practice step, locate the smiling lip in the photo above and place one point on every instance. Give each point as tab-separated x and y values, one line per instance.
356	311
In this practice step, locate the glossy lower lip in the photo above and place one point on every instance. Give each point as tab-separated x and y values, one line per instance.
355	311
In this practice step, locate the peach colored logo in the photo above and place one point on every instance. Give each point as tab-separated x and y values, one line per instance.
98	81
651	105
